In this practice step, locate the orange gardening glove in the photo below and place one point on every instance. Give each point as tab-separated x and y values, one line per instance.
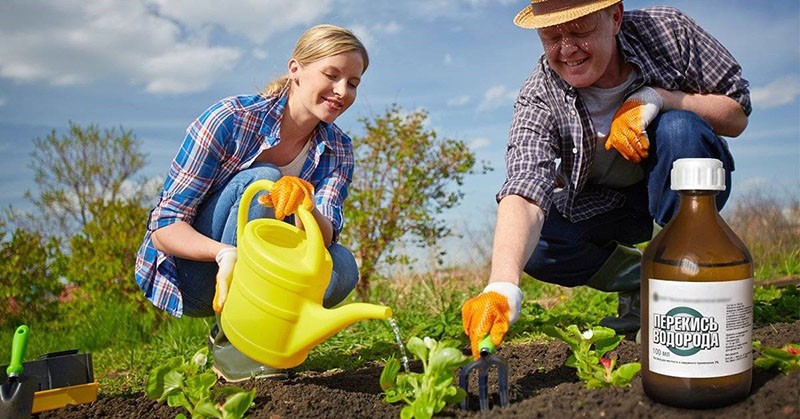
628	133
491	313
226	259
287	194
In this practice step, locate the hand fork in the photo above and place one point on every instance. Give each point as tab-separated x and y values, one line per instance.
487	360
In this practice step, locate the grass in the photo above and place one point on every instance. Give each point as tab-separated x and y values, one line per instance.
126	342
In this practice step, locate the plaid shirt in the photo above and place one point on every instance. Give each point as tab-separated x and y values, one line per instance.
550	122
220	143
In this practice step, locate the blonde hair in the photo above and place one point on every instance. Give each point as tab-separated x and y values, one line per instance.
316	43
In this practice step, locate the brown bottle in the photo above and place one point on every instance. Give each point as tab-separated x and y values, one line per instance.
697	299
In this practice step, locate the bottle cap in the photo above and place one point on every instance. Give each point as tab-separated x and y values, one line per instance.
697	174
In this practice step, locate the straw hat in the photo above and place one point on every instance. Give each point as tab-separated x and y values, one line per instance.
544	13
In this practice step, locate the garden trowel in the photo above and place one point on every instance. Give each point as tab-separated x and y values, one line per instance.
487	360
16	393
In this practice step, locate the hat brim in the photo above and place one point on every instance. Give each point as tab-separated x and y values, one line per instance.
527	20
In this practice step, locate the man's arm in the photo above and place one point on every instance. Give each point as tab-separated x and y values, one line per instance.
519	224
724	114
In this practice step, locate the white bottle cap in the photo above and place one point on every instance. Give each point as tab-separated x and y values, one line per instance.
697	174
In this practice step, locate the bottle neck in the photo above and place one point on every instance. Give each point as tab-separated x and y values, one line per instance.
698	202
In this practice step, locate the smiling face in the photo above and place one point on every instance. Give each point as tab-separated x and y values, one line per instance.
325	88
584	51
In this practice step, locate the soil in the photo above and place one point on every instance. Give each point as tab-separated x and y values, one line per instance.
539	386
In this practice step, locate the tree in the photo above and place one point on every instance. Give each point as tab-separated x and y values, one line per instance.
103	256
79	169
405	177
29	281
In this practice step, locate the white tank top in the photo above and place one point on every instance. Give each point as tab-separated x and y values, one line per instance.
608	166
296	166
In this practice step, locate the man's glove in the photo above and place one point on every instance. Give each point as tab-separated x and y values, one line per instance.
287	194
491	313
226	259
628	126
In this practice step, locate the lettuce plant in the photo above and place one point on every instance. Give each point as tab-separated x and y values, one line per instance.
191	385
785	359
589	349
425	393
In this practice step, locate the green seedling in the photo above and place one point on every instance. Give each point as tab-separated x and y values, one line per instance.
191	385
785	359
589	358
426	393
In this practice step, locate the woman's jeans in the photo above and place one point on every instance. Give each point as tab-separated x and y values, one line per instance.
570	253
217	218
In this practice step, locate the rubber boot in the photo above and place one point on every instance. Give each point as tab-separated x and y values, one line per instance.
621	273
234	366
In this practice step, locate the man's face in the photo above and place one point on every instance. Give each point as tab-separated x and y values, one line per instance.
583	51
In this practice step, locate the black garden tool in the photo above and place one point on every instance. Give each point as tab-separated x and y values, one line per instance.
16	394
487	360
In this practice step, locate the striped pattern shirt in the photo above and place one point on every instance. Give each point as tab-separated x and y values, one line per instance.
225	139
551	124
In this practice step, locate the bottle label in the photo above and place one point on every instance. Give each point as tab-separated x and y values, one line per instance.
700	329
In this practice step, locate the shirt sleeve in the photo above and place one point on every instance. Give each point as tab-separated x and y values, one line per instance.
531	151
708	67
331	188
194	168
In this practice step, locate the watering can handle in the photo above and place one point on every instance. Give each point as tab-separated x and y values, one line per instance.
309	223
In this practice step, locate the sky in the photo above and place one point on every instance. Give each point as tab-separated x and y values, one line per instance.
152	66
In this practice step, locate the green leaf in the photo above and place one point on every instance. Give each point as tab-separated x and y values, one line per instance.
625	373
207	409
389	373
417	347
236	405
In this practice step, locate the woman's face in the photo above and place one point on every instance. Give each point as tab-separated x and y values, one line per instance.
327	87
583	51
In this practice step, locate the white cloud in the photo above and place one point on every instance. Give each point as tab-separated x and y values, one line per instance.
779	92
256	20
479	143
390	28
496	97
459	101
3	101
448	59
259	54
162	45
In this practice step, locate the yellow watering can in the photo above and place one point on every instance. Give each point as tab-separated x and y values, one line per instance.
274	313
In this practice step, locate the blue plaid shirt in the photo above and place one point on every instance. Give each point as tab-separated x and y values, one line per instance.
218	144
550	122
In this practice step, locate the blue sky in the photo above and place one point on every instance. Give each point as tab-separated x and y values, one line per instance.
152	66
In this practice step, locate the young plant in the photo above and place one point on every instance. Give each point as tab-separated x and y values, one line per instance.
785	359
425	393
588	356
190	384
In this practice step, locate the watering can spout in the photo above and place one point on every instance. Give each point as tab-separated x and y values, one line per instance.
317	323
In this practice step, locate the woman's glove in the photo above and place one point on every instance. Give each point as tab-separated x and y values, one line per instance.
287	194
628	126
491	313
226	259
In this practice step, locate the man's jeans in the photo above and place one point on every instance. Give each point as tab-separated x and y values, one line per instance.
217	218
569	253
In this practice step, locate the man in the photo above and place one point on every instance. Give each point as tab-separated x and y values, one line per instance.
614	100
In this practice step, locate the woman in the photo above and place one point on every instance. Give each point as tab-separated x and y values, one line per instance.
285	134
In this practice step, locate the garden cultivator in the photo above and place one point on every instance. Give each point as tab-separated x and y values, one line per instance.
487	360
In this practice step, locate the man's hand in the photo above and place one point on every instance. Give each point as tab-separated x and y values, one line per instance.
226	259
287	194
628	133
491	313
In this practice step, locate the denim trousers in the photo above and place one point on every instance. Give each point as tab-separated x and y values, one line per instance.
217	218
569	253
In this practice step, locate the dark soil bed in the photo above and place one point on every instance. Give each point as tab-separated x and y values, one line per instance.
539	386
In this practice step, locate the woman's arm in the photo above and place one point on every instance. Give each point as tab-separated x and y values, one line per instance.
182	240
